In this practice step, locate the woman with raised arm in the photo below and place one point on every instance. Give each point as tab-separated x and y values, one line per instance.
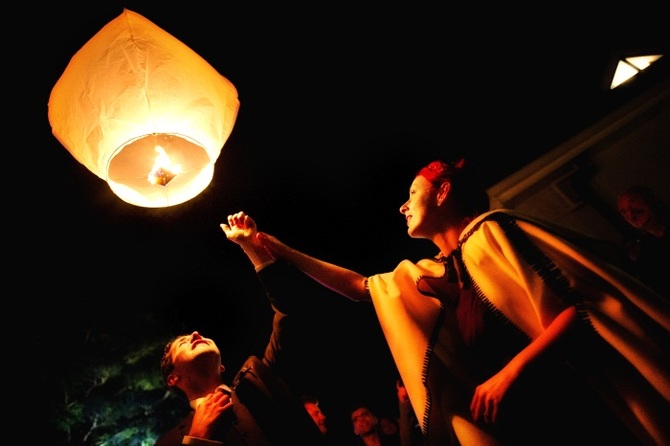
514	333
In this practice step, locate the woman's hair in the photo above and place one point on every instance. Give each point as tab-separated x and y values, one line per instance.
467	188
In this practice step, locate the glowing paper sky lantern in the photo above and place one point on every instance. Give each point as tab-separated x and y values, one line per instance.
143	112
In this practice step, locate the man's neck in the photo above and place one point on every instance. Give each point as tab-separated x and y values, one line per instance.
196	398
372	439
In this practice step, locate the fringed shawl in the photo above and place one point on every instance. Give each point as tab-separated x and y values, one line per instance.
428	351
530	273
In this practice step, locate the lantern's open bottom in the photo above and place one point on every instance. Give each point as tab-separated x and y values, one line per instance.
189	172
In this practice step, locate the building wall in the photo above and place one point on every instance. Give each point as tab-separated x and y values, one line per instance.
577	184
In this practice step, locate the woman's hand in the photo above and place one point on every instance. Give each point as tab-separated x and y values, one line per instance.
274	246
490	394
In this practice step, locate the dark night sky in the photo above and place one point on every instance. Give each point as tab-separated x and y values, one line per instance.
340	105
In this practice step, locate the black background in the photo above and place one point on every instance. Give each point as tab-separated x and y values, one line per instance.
340	105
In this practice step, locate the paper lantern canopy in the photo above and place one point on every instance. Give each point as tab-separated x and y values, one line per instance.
143	112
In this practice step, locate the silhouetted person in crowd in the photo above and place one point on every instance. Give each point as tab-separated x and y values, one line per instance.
389	425
367	429
649	248
313	407
409	428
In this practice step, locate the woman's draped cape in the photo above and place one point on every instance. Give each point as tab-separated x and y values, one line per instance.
530	272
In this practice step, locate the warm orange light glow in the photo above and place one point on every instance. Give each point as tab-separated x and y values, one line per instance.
163	171
132	88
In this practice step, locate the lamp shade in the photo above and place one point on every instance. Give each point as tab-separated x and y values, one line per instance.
143	112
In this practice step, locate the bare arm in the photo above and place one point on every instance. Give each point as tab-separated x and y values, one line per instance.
341	280
489	394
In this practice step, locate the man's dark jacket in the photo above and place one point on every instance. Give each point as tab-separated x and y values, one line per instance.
265	411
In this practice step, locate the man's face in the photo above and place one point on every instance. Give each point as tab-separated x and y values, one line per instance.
636	210
194	350
363	421
319	418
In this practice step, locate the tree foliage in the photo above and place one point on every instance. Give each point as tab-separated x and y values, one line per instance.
114	395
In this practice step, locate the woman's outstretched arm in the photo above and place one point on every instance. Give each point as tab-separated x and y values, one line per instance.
341	280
